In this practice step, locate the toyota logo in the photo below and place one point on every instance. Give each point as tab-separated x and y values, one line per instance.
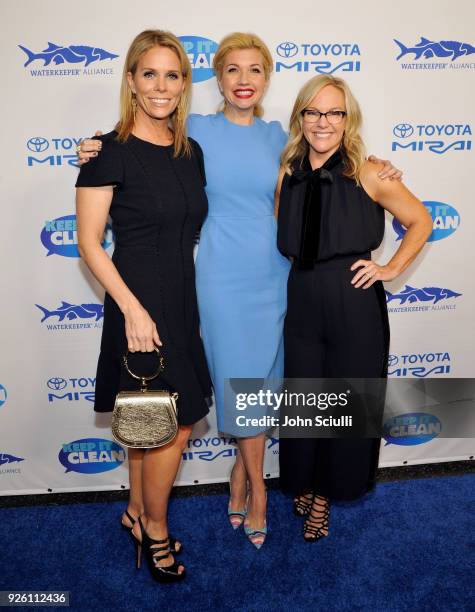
37	144
287	49
392	360
403	130
56	383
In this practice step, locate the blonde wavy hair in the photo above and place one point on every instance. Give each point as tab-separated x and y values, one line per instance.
142	43
243	40
352	144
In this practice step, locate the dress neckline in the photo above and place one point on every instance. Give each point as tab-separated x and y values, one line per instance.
152	144
333	161
237	125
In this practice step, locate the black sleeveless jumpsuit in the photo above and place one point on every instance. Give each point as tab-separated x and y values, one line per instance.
332	330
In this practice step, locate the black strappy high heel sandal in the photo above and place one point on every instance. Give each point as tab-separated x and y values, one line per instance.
174	543
168	573
317	520
302	504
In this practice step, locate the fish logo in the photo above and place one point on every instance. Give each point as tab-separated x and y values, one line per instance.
71	311
74	54
273	442
426	294
4	458
428	49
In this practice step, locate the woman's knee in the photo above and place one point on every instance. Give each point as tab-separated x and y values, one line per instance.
183	435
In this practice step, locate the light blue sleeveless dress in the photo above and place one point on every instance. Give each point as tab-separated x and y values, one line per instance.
241	278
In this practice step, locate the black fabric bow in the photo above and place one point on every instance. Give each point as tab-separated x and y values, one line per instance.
302	170
312	210
320	174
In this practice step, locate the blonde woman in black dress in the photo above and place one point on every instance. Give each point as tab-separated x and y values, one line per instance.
331	216
150	178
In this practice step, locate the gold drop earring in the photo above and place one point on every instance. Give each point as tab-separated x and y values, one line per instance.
134	105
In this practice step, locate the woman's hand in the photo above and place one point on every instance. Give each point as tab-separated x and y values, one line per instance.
140	330
88	148
370	272
387	171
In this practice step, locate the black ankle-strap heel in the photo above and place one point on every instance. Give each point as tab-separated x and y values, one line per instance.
169	573
302	504
317	520
176	547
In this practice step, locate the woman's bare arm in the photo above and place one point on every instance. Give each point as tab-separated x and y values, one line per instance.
92	208
394	197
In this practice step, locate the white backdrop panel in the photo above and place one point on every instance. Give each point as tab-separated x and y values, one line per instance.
418	112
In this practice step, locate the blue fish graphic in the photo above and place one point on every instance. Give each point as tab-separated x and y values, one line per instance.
72	312
4	458
429	49
74	54
426	294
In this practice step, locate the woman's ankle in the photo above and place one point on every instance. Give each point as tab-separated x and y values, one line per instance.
155	529
134	510
257	487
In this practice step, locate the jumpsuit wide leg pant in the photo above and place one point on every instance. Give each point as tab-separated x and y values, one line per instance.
333	330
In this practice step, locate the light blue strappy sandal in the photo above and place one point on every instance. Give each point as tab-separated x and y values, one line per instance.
236	517
256	536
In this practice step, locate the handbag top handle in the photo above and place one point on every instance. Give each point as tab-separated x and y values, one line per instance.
145	379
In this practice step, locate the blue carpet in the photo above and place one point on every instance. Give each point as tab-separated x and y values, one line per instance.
405	547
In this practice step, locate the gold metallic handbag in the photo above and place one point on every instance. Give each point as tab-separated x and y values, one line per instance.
145	419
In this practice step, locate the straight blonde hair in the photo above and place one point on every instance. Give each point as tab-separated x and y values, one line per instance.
243	40
352	144
142	43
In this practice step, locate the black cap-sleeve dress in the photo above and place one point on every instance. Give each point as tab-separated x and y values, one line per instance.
158	206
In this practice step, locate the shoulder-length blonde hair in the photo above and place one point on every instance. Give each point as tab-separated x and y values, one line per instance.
142	43
352	143
243	40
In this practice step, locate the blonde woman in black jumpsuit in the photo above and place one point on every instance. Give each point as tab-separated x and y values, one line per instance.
331	216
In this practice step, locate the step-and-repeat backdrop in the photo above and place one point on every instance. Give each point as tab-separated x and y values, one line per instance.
412	69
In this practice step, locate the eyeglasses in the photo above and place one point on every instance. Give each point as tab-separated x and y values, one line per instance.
334	117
